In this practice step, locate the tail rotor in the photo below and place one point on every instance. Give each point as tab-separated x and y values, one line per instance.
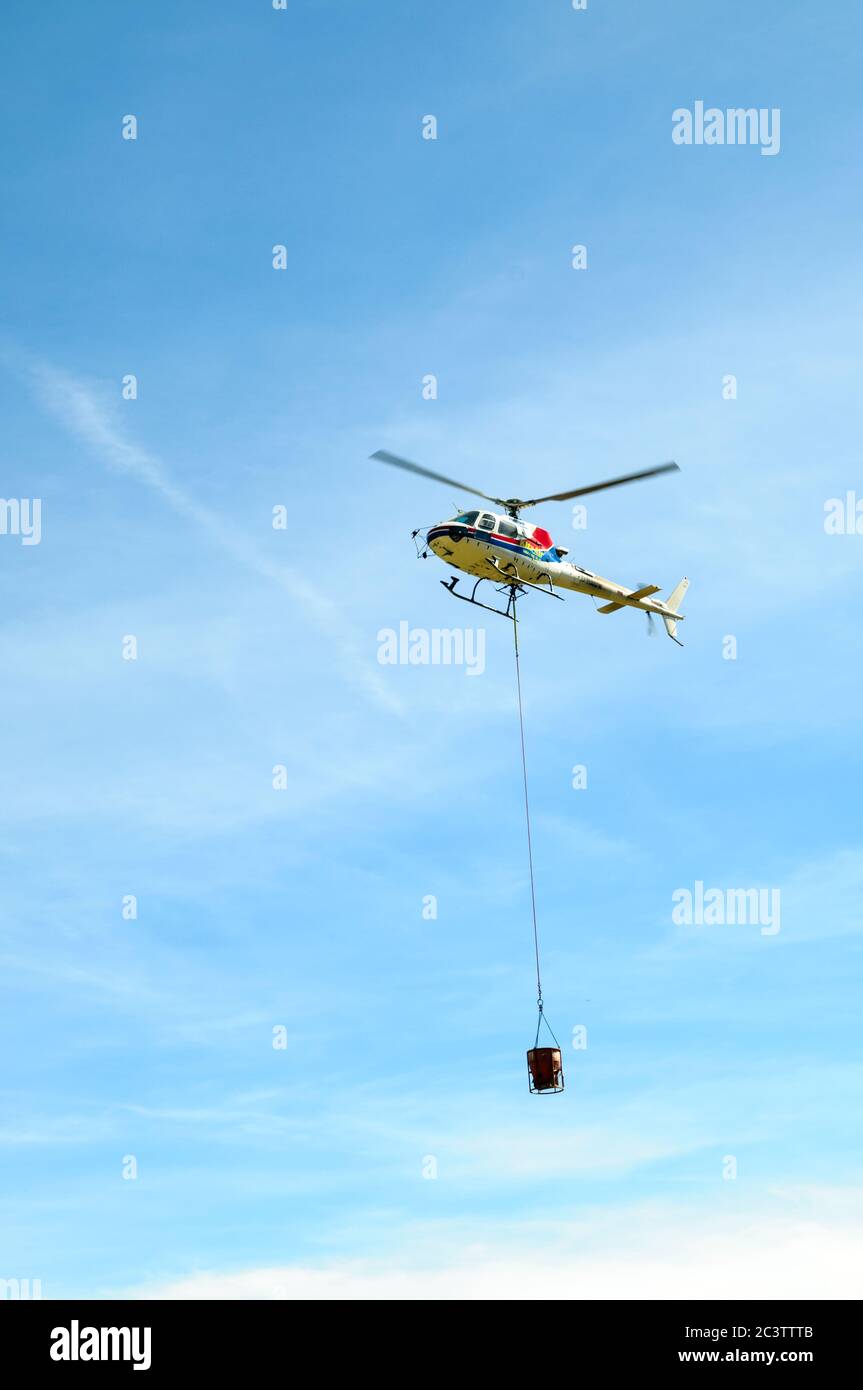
651	625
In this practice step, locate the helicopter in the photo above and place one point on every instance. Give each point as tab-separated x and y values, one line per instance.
496	545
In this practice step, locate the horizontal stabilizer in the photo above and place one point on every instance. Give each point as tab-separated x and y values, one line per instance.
631	599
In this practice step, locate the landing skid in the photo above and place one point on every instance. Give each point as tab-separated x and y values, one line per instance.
512	587
508	612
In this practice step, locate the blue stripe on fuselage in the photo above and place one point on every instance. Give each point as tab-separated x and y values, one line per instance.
471	533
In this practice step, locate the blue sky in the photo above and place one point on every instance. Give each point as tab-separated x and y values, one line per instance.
299	1172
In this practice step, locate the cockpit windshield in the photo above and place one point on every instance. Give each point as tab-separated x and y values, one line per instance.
469	518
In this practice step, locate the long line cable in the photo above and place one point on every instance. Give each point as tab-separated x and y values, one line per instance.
527	813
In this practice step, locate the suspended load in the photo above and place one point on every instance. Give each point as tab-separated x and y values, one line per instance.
544	1070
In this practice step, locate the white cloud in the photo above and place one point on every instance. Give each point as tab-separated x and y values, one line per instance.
657	1252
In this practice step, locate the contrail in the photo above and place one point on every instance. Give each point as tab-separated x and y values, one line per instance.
82	413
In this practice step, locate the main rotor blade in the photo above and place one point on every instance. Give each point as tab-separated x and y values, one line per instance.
598	487
384	457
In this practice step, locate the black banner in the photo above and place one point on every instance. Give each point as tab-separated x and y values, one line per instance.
161	1338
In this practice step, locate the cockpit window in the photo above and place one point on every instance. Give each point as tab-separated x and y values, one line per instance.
486	522
469	518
